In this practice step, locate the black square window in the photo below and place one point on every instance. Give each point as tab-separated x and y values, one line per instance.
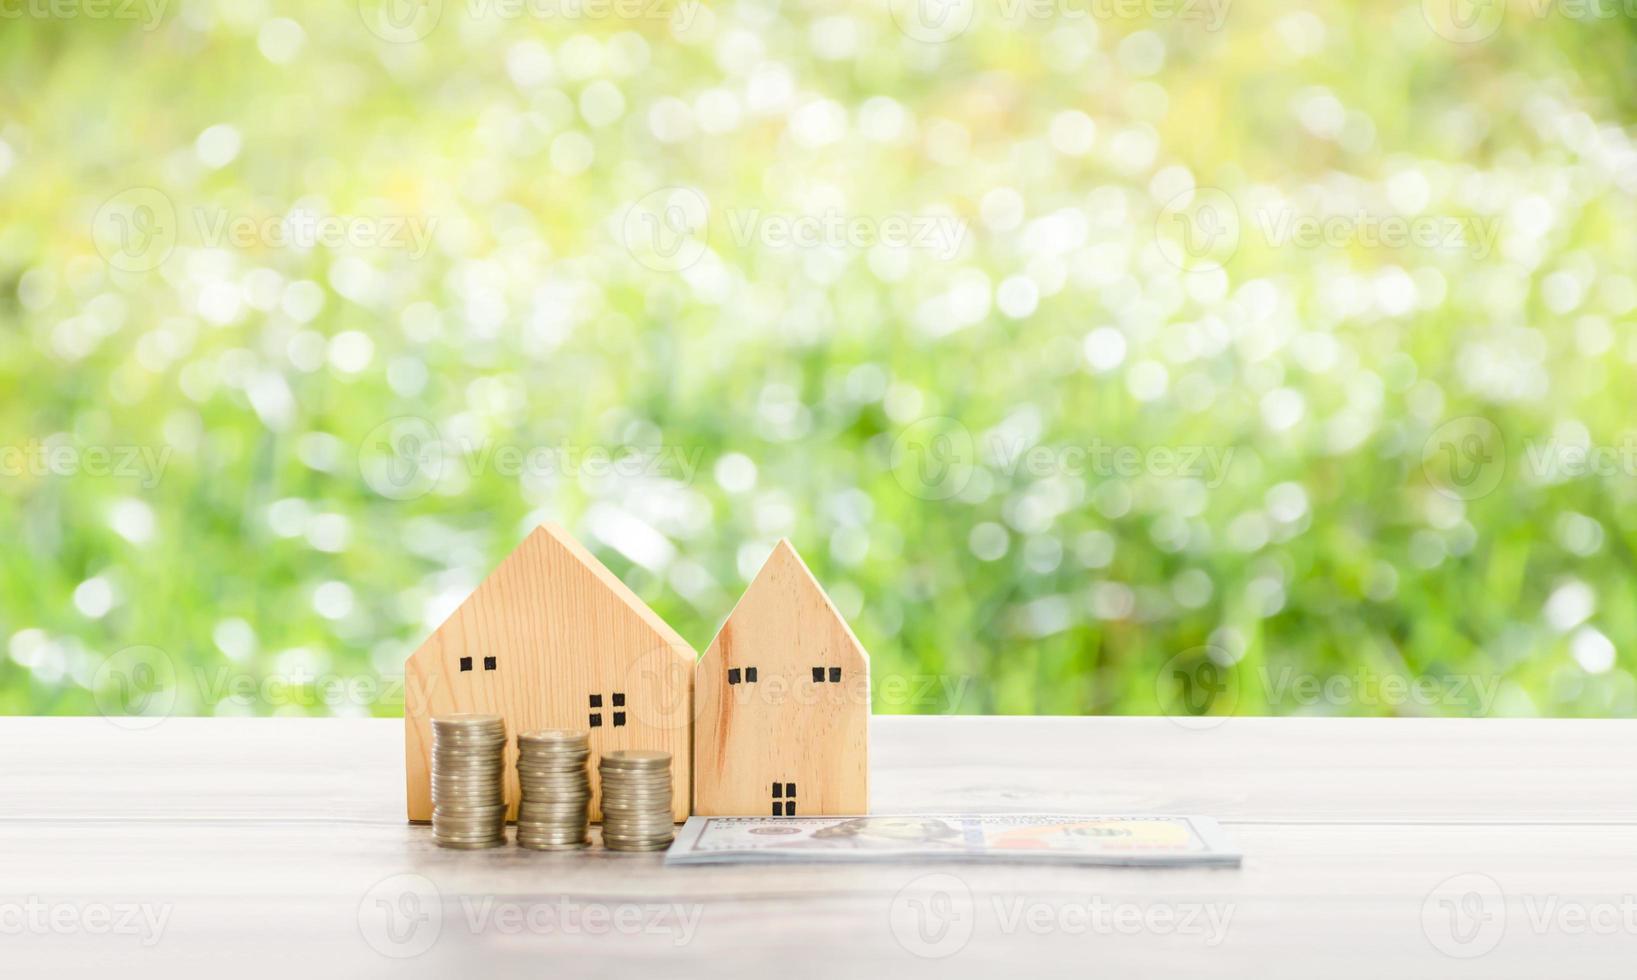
790	809
733	676
619	719
835	675
790	790
596	700
750	675
778	809
619	699
818	675
778	790
465	663
596	721
488	663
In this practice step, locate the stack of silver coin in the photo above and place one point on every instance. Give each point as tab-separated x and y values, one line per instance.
556	789
468	781
636	800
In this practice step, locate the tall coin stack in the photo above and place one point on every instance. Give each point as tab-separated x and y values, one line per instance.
468	781
556	789
636	800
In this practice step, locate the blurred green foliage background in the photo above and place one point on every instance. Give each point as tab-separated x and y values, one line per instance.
677	276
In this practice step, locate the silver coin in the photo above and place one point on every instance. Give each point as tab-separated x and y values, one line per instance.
640	845
466	718
457	826
638	758
474	815
468	833
644	824
467	828
555	736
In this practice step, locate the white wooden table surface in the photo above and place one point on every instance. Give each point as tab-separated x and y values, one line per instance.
1374	848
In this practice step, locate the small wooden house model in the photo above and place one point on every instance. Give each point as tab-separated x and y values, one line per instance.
783	703
552	639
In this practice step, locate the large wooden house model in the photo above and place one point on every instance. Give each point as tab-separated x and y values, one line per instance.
552	639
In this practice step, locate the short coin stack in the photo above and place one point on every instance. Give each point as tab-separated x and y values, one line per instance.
636	800
468	781
556	789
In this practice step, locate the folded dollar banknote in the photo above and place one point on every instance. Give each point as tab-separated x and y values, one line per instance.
1121	841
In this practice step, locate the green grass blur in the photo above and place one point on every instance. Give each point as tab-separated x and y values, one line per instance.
198	419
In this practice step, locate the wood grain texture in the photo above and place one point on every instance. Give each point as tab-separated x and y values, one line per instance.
802	723
563	630
271	841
